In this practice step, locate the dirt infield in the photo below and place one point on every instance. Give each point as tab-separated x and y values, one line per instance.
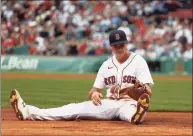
156	123
160	124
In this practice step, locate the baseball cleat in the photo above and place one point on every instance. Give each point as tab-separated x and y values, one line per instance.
18	105
142	106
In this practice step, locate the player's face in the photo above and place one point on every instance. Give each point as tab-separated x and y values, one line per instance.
119	49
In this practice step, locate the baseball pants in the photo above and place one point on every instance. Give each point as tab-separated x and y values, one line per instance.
109	110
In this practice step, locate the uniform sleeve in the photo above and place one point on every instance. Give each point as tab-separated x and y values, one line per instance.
99	81
143	73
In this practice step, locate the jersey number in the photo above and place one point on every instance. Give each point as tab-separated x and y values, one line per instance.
109	80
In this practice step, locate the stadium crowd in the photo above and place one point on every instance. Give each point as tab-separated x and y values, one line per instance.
81	27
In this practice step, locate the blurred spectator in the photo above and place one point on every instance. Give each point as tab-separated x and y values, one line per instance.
188	52
158	46
124	26
40	45
72	46
150	53
139	48
115	19
184	33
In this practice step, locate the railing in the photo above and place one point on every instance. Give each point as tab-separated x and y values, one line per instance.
87	64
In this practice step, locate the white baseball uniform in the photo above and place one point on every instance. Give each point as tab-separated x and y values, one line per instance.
110	73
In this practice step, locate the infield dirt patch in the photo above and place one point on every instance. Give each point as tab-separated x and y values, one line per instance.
156	123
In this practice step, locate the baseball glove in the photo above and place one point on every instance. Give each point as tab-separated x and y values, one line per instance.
134	91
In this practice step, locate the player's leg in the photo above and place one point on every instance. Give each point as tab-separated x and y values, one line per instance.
84	110
142	107
134	111
19	106
107	111
126	111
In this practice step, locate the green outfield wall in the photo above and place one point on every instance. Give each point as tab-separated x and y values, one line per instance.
86	64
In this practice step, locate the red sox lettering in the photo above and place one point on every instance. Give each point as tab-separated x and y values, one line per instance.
111	79
128	79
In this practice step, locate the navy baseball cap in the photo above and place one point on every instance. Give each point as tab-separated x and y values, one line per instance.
117	37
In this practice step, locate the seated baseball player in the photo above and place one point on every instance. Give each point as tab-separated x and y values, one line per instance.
128	83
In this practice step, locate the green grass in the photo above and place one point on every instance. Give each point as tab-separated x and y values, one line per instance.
45	93
171	96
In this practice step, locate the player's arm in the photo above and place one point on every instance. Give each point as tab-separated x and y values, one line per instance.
148	88
144	75
95	95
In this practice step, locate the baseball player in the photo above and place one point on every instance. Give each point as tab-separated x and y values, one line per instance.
128	81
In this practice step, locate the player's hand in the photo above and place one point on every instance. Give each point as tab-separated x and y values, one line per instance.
115	90
96	98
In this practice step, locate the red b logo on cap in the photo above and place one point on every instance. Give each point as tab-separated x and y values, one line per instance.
117	36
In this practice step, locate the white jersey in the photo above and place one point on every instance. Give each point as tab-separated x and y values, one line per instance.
113	73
